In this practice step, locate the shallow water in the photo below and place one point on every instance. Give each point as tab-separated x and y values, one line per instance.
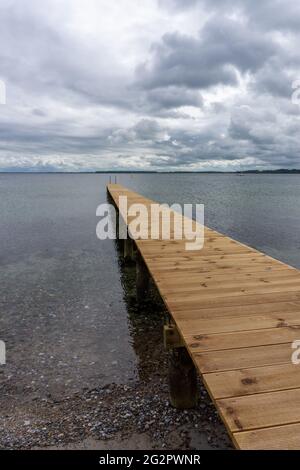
63	313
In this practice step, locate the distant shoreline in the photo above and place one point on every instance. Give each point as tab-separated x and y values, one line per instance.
282	171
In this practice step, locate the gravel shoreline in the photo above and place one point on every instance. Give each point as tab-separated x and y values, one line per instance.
113	412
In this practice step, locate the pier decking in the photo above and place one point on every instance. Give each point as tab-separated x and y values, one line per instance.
237	311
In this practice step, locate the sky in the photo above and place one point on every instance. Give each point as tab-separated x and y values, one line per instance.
149	85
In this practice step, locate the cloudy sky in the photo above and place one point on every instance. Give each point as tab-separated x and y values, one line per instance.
151	84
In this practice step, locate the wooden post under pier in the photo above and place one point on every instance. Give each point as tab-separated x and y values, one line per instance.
183	387
128	250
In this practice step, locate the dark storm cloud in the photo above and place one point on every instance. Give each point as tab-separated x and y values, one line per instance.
146	129
270	14
223	47
273	80
173	97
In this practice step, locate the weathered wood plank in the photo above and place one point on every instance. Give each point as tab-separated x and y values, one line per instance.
243	358
261	410
281	437
253	380
240	300
191	328
241	339
276	307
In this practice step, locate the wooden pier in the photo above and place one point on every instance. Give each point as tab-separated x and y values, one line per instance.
236	312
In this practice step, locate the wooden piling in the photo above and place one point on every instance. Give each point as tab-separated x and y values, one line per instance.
182	380
128	250
183	390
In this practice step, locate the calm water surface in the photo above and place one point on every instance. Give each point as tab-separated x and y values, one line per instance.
63	315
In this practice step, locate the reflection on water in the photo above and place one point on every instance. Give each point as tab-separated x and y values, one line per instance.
67	303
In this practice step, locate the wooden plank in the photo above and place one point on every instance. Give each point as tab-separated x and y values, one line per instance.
251	299
172	251
243	358
285	437
210	267
183	285
216	268
278	308
210	253
241	339
207	326
221	279
253	380
219	274
204	256
204	293
261	410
